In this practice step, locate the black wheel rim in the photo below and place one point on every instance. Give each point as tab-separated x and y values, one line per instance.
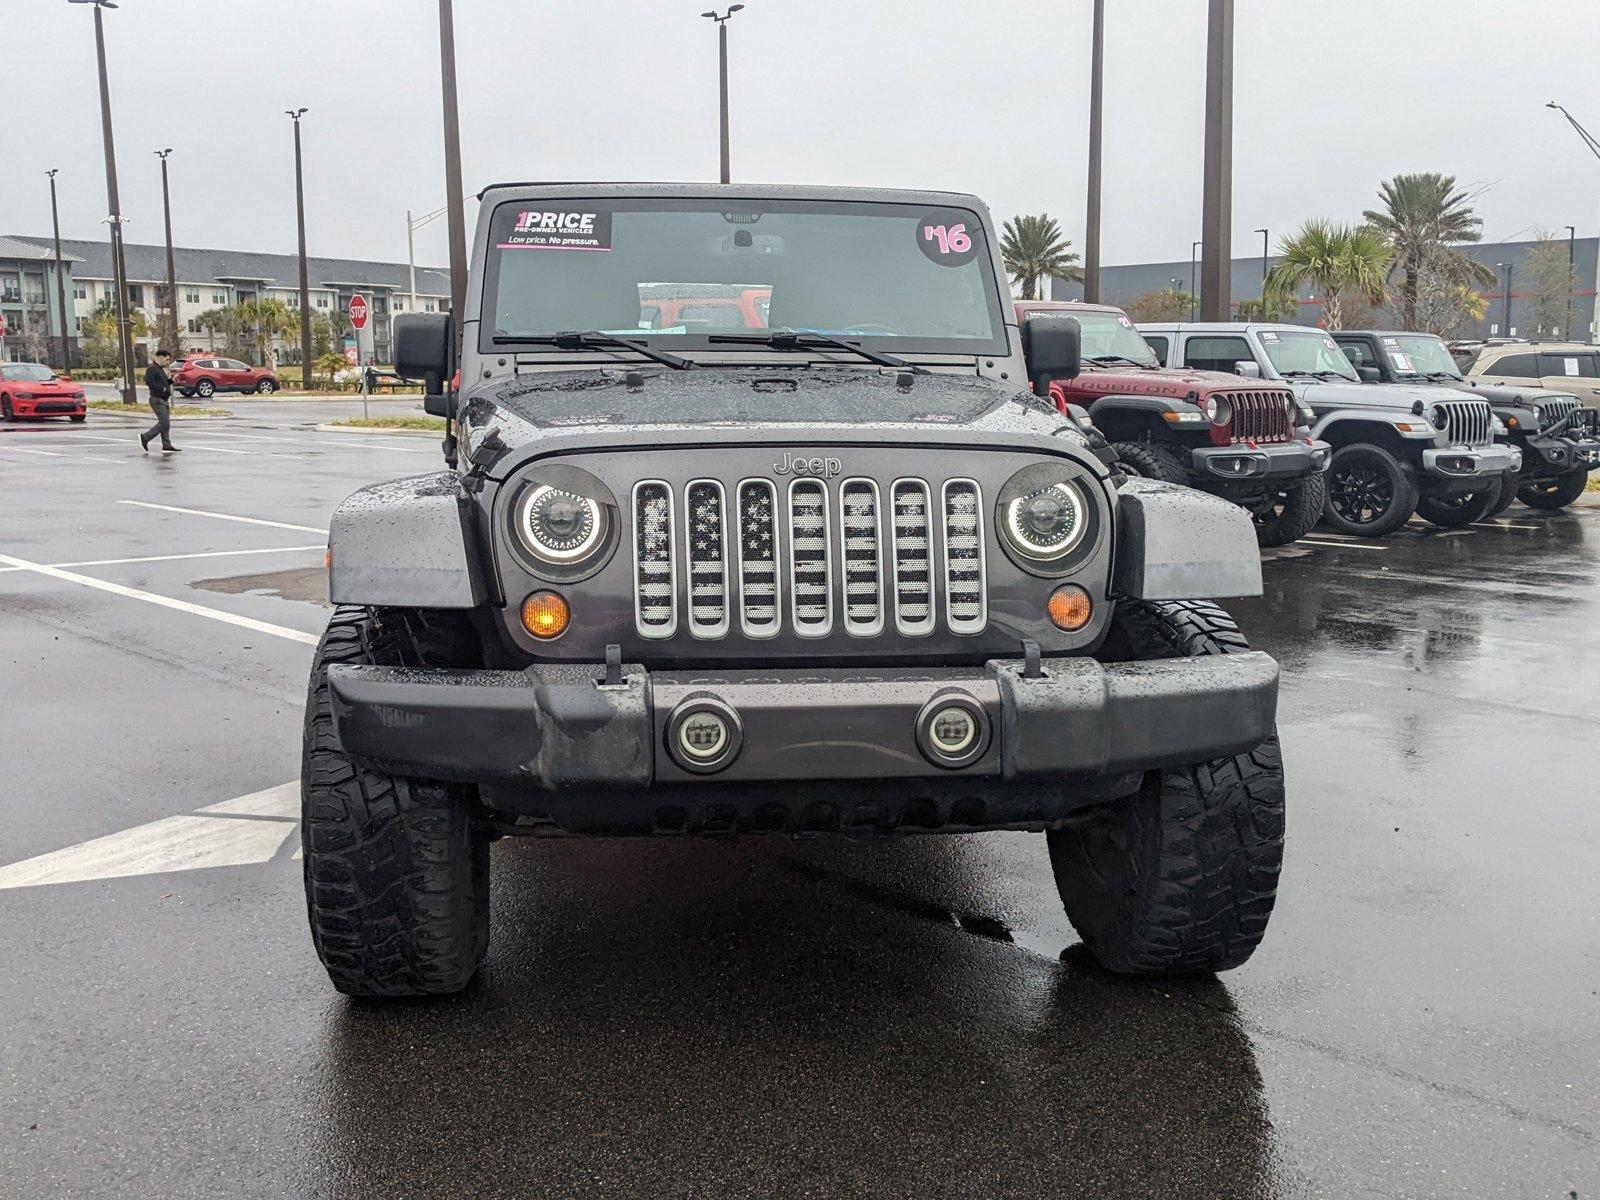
1361	491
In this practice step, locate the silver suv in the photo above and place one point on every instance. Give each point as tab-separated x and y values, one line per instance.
1398	449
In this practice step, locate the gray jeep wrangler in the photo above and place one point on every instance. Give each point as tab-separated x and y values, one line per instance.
752	521
1397	449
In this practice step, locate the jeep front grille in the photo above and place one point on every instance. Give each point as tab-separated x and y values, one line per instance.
1467	422
769	554
1551	411
1260	416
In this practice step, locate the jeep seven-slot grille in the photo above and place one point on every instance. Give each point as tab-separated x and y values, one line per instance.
1260	416
1467	422
856	554
1551	411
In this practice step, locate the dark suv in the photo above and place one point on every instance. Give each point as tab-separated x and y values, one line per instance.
1558	437
843	572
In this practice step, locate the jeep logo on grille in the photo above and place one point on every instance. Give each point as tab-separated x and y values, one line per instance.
792	465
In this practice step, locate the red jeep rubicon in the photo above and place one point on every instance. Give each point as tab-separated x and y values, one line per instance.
1244	440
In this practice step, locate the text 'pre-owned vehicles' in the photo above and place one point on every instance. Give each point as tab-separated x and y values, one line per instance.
1245	442
35	390
1558	437
206	375
1397	450
840	572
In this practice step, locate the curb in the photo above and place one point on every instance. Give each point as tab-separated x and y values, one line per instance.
427	433
143	415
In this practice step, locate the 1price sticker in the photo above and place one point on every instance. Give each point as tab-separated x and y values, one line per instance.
947	239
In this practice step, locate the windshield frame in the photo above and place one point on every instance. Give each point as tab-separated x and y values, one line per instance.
1430	339
698	345
1342	366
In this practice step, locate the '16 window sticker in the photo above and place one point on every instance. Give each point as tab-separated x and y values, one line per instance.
947	238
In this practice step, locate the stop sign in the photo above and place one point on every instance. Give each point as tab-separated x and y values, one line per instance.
358	311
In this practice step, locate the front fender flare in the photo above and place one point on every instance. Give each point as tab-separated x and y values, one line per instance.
406	543
1179	544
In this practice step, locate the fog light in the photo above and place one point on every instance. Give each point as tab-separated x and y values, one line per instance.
1069	608
703	735
952	730
545	615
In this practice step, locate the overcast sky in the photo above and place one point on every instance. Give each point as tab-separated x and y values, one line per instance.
988	96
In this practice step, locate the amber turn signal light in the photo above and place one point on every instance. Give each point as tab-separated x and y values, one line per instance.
546	615
1069	608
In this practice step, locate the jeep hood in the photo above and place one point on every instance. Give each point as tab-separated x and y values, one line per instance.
1172	383
769	400
1367	395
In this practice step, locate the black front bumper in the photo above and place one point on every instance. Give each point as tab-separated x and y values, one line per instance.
1273	464
558	726
1578	449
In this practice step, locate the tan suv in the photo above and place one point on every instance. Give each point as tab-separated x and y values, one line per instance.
1567	367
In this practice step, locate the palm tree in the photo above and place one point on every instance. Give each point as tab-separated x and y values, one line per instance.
1033	249
1333	259
1423	217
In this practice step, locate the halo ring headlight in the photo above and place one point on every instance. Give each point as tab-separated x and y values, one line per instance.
1046	524
563	522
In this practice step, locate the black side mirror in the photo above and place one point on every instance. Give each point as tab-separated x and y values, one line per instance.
1052	346
424	348
1370	374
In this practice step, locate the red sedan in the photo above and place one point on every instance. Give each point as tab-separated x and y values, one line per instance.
34	390
204	375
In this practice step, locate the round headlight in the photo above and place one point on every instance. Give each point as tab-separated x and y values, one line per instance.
1217	409
1440	417
559	526
1046	524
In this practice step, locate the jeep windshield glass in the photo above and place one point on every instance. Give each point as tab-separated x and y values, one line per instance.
1111	337
671	272
1310	353
1422	355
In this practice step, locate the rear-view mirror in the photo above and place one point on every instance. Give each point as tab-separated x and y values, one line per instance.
1052	348
1247	368
424	349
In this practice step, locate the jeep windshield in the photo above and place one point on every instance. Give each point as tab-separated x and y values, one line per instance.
1110	339
1420	356
672	273
1296	355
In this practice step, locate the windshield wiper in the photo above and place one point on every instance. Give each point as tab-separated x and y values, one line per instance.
1116	358
788	339
1445	375
593	339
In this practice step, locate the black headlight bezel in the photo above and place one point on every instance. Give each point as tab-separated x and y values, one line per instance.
567	478
1034	478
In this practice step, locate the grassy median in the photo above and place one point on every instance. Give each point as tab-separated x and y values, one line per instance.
429	424
143	410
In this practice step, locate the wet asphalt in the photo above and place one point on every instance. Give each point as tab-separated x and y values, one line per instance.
781	1018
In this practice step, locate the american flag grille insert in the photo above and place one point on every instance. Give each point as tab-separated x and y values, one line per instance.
704	535
810	563
911	542
863	568
1260	416
760	606
1467	422
966	596
655	565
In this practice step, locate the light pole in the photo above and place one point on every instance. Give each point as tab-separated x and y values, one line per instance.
411	246
171	341
119	265
1091	222
455	200
61	282
1506	320
1216	214
1572	272
1590	141
294	114
722	53
1266	242
1194	251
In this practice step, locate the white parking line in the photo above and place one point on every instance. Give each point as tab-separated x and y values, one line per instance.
55	454
201	512
357	440
1342	545
235	833
116	589
117	562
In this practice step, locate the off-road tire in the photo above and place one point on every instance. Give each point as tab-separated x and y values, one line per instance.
1389	473
1182	876
1150	461
1457	512
1509	485
396	877
1293	515
1551	494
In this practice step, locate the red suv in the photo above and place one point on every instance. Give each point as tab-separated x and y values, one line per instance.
34	390
205	375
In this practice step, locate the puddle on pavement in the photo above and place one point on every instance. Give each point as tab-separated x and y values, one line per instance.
306	584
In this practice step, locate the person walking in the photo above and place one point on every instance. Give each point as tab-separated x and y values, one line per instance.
160	385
